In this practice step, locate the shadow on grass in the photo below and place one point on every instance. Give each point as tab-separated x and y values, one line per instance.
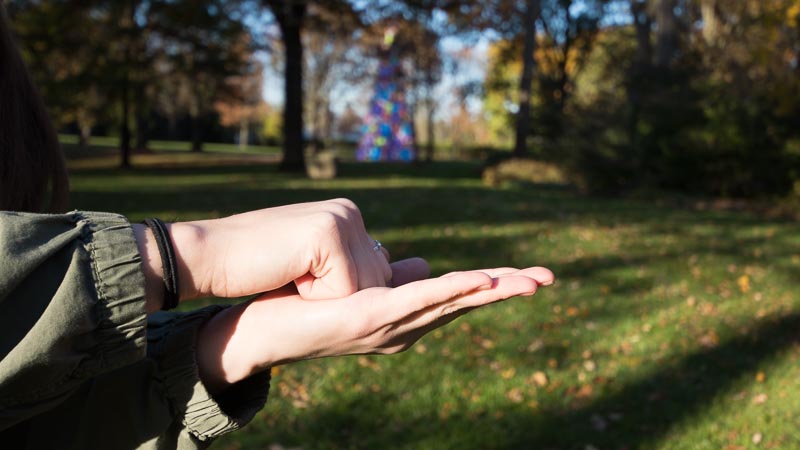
639	414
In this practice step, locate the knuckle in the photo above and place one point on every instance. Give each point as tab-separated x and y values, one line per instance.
327	221
347	203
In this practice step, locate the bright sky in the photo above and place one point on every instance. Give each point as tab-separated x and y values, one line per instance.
471	66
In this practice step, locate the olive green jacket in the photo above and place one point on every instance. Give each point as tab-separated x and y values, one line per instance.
83	366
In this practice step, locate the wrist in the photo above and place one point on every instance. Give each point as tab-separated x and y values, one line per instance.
151	266
189	240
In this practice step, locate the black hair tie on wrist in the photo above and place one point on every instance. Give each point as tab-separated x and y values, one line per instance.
169	263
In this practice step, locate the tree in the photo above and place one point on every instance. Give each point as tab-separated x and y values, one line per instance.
244	106
208	52
509	19
292	17
331	60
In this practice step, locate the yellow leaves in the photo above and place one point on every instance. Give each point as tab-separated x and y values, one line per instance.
539	379
508	373
760	377
488	344
368	363
793	15
296	392
744	283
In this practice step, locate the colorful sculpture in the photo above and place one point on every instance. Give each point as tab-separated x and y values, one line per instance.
387	132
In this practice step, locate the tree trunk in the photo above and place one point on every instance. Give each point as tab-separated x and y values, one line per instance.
244	133
142	137
85	135
642	62
642	23
197	133
125	132
528	66
667	34
290	16
711	21
429	111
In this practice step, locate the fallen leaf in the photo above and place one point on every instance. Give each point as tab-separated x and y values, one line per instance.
760	377
744	283
539	378
515	395
585	391
760	398
757	437
709	339
535	346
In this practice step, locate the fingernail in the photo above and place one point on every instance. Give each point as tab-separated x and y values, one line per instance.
547	283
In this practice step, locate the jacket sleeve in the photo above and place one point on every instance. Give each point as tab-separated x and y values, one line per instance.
78	349
71	306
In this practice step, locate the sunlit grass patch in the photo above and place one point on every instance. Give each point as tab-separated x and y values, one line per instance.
667	328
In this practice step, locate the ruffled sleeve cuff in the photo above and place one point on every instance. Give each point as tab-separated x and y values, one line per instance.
73	304
119	283
172	345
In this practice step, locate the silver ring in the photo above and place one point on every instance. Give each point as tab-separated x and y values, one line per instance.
377	245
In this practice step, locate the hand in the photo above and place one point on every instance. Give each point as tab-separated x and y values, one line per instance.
280	327
323	247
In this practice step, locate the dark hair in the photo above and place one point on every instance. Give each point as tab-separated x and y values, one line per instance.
33	176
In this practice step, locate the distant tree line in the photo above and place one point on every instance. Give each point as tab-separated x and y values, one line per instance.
697	95
701	96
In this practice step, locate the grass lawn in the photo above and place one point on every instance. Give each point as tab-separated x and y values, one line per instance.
668	328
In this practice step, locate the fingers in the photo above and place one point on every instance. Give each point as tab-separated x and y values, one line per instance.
385	253
419	295
372	263
542	275
428	300
496	272
340	279
407	270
